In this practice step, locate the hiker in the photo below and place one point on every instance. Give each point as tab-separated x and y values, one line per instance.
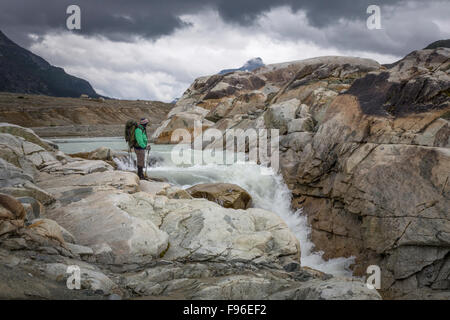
141	146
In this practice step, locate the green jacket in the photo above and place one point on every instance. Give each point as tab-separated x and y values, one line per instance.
141	137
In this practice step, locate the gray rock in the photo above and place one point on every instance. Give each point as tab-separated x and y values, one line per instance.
207	281
202	230
102	217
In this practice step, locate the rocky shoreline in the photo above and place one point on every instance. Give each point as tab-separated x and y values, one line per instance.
134	239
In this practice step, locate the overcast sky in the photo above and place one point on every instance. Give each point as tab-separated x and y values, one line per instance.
140	49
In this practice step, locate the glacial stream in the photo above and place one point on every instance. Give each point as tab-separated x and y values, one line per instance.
267	189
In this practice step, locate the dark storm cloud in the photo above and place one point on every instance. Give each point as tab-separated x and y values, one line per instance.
115	19
121	19
320	12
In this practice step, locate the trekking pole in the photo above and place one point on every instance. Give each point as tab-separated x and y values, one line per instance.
146	163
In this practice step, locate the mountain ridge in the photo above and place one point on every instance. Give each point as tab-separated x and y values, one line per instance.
22	71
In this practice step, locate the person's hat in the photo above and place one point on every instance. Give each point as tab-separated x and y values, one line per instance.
143	121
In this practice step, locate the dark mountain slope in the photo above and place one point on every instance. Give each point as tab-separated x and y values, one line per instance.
22	71
439	44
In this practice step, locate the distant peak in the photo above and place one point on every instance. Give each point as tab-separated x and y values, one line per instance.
250	65
254	61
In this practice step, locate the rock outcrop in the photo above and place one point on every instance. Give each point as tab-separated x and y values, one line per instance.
225	194
133	239
239	99
365	150
238	281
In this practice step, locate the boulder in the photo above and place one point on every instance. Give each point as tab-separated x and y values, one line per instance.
225	194
102	218
202	230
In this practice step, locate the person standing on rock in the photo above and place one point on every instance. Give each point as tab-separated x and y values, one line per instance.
141	146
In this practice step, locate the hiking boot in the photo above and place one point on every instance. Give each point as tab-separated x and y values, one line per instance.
140	173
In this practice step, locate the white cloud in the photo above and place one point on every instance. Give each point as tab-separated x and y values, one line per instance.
164	68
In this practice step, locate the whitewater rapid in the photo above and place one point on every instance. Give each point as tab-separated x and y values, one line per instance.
267	189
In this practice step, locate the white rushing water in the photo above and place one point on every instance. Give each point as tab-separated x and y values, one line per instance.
267	189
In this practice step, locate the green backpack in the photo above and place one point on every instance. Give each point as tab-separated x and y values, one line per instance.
130	138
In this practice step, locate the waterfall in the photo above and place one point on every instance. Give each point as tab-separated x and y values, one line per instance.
267	189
